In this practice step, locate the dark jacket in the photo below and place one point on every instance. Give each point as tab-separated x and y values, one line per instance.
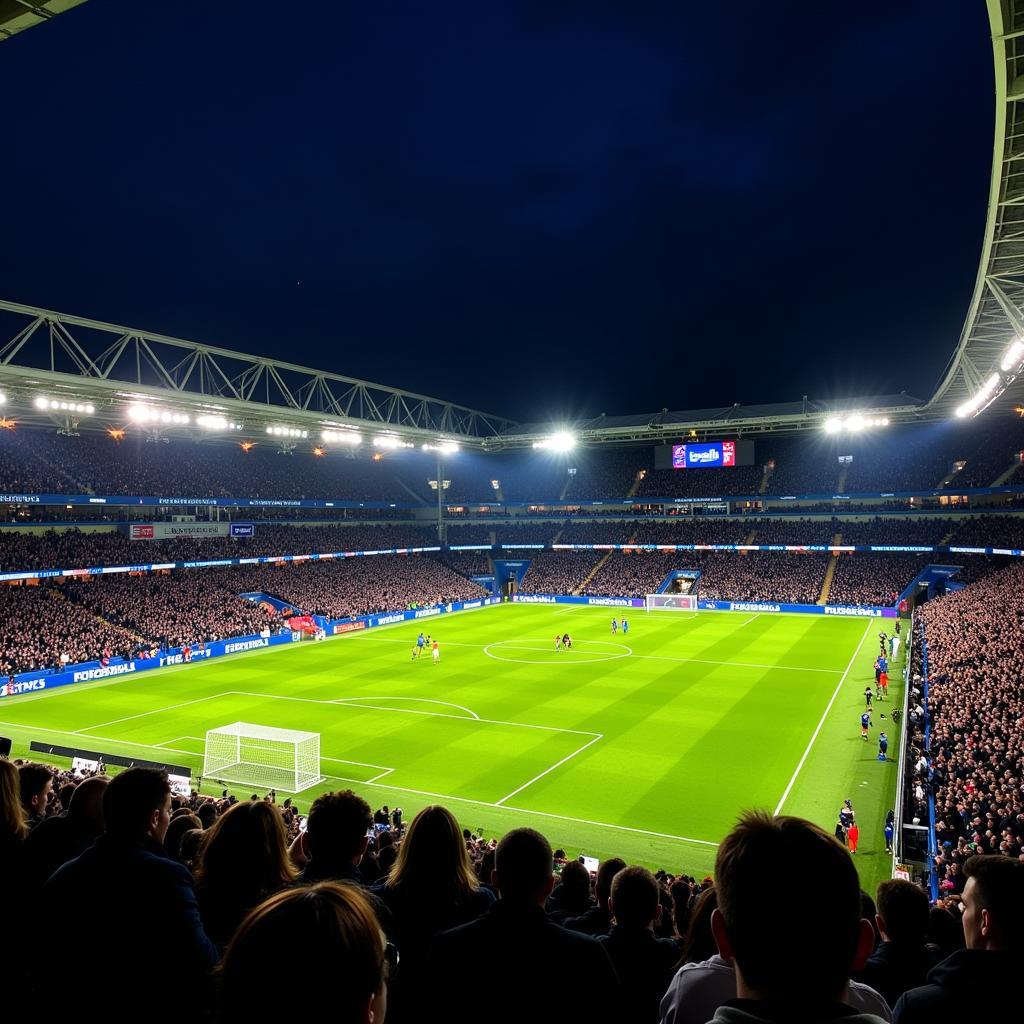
958	986
596	921
895	967
130	916
515	965
54	842
644	965
416	922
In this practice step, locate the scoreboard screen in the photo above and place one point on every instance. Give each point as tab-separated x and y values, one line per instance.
716	454
705	455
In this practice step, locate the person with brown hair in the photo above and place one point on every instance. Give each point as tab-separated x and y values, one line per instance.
124	894
326	932
36	782
430	888
902	959
598	920
243	860
335	840
642	961
513	961
793	965
993	925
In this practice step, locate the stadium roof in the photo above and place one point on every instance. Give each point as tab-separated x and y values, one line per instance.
806	414
45	354
996	313
18	15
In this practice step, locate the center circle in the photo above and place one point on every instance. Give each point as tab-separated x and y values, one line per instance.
543	652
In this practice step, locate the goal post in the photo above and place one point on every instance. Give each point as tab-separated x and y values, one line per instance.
670	602
263	757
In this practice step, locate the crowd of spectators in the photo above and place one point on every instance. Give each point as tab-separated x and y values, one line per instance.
631	574
40	629
559	572
395	923
172	609
873	579
975	764
760	576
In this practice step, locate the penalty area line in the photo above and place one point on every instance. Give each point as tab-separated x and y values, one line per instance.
546	771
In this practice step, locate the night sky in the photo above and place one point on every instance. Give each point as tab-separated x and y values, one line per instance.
541	209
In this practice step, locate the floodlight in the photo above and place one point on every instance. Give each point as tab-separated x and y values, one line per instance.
833	425
212	422
1013	357
855	422
341	437
982	399
560	441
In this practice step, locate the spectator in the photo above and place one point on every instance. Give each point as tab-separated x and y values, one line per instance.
642	962
513	960
336	838
13	830
326	933
123	894
993	924
64	836
243	860
36	786
792	966
903	959
180	825
598	920
571	896
430	889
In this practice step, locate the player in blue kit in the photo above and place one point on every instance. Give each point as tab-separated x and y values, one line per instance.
625	627
890	828
615	627
865	724
420	644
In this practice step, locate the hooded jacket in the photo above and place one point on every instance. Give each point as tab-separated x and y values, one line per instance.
955	986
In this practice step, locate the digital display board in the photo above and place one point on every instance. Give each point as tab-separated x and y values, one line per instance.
713	455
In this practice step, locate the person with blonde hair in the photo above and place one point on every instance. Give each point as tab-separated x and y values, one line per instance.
431	887
327	932
243	860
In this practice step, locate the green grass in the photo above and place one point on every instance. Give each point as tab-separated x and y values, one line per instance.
646	746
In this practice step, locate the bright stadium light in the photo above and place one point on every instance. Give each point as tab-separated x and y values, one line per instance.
390	441
139	413
854	423
287	432
1013	357
341	437
983	399
560	441
833	425
444	447
63	405
210	422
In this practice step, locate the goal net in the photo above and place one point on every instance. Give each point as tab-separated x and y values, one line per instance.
263	757
670	602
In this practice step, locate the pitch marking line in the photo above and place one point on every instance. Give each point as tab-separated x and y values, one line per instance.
144	714
425	700
413	711
569	654
557	764
824	715
645	657
414	792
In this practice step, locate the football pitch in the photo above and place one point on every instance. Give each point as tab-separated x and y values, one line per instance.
645	745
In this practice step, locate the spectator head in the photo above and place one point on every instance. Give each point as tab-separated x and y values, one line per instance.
137	803
207	813
337	826
327	931
180	825
36	782
86	803
433	860
244	857
605	873
902	912
700	941
575	881
523	867
635	901
994	903
805	955
12	814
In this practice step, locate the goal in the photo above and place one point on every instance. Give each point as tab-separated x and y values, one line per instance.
263	757
670	602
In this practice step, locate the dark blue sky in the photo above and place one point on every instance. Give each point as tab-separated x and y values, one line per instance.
533	208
